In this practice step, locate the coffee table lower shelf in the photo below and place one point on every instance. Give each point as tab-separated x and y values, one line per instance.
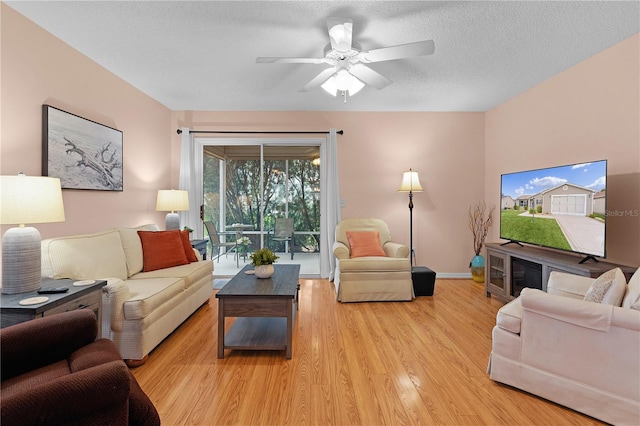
257	333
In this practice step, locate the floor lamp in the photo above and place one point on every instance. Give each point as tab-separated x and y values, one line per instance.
26	200
172	201
410	183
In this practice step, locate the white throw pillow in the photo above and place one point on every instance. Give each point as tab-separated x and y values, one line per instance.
633	291
608	288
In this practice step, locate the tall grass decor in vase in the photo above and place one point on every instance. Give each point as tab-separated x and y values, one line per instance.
263	261
480	221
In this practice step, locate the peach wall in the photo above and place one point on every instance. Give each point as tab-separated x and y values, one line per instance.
446	148
37	69
589	112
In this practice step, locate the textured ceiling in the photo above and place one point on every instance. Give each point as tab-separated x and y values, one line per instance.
197	55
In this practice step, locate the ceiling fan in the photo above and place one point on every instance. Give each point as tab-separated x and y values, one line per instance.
348	72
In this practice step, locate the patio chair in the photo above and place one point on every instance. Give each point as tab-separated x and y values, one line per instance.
283	232
216	244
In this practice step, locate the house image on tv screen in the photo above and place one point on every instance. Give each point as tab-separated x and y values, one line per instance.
562	199
600	202
566	198
507	202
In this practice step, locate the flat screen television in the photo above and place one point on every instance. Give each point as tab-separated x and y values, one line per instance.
560	207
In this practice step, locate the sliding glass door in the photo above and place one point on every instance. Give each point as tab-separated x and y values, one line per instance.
292	190
248	184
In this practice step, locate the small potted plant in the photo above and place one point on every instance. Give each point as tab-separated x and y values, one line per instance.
263	261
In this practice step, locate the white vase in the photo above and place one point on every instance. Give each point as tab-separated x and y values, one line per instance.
264	271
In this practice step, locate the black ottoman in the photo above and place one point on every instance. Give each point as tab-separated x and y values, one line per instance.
424	280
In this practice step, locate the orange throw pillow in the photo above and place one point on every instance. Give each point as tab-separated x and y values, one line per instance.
188	250
365	243
162	249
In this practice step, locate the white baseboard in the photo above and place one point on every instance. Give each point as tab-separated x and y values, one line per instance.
450	275
464	275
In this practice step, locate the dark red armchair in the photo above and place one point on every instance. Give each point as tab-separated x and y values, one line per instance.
53	371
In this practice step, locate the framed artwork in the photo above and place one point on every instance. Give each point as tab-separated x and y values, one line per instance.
82	153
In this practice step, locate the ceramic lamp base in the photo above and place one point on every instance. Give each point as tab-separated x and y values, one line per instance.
172	221
21	260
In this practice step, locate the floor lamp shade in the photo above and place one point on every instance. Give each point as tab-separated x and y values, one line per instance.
26	200
172	201
410	183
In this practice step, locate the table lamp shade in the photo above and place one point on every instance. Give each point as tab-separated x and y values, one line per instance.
30	199
172	200
26	200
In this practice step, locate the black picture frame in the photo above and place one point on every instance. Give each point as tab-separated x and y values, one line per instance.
84	154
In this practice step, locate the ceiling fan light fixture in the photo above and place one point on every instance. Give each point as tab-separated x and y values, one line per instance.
342	81
356	86
329	86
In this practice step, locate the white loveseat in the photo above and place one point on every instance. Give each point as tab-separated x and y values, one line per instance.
139	309
583	355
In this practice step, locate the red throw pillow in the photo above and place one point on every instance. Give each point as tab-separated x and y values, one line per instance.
188	249
365	243
162	249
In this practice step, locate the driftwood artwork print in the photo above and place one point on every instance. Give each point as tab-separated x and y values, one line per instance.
82	153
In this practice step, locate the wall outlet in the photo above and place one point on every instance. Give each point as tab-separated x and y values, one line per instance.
343	203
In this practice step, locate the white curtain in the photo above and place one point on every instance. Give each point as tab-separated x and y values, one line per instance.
189	169
330	199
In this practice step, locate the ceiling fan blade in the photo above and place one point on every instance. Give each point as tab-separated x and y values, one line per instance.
340	33
318	80
274	60
419	48
369	76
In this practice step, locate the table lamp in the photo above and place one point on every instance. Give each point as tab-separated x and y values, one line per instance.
172	201
26	199
410	183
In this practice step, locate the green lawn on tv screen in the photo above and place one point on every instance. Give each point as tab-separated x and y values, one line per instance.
535	230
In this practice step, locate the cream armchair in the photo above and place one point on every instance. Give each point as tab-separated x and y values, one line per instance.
381	277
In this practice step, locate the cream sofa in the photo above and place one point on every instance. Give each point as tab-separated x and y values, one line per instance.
583	355
139	309
371	278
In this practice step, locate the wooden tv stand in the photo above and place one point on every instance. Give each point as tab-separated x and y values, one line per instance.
510	267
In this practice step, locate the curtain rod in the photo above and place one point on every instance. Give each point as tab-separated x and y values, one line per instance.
340	132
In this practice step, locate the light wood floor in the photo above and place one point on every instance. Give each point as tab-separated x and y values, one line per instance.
388	363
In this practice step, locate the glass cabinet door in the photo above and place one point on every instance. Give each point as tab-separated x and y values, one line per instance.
496	274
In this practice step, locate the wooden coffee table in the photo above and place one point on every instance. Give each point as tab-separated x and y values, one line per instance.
264	309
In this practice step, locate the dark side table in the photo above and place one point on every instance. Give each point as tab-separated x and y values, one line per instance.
77	297
424	280
201	246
